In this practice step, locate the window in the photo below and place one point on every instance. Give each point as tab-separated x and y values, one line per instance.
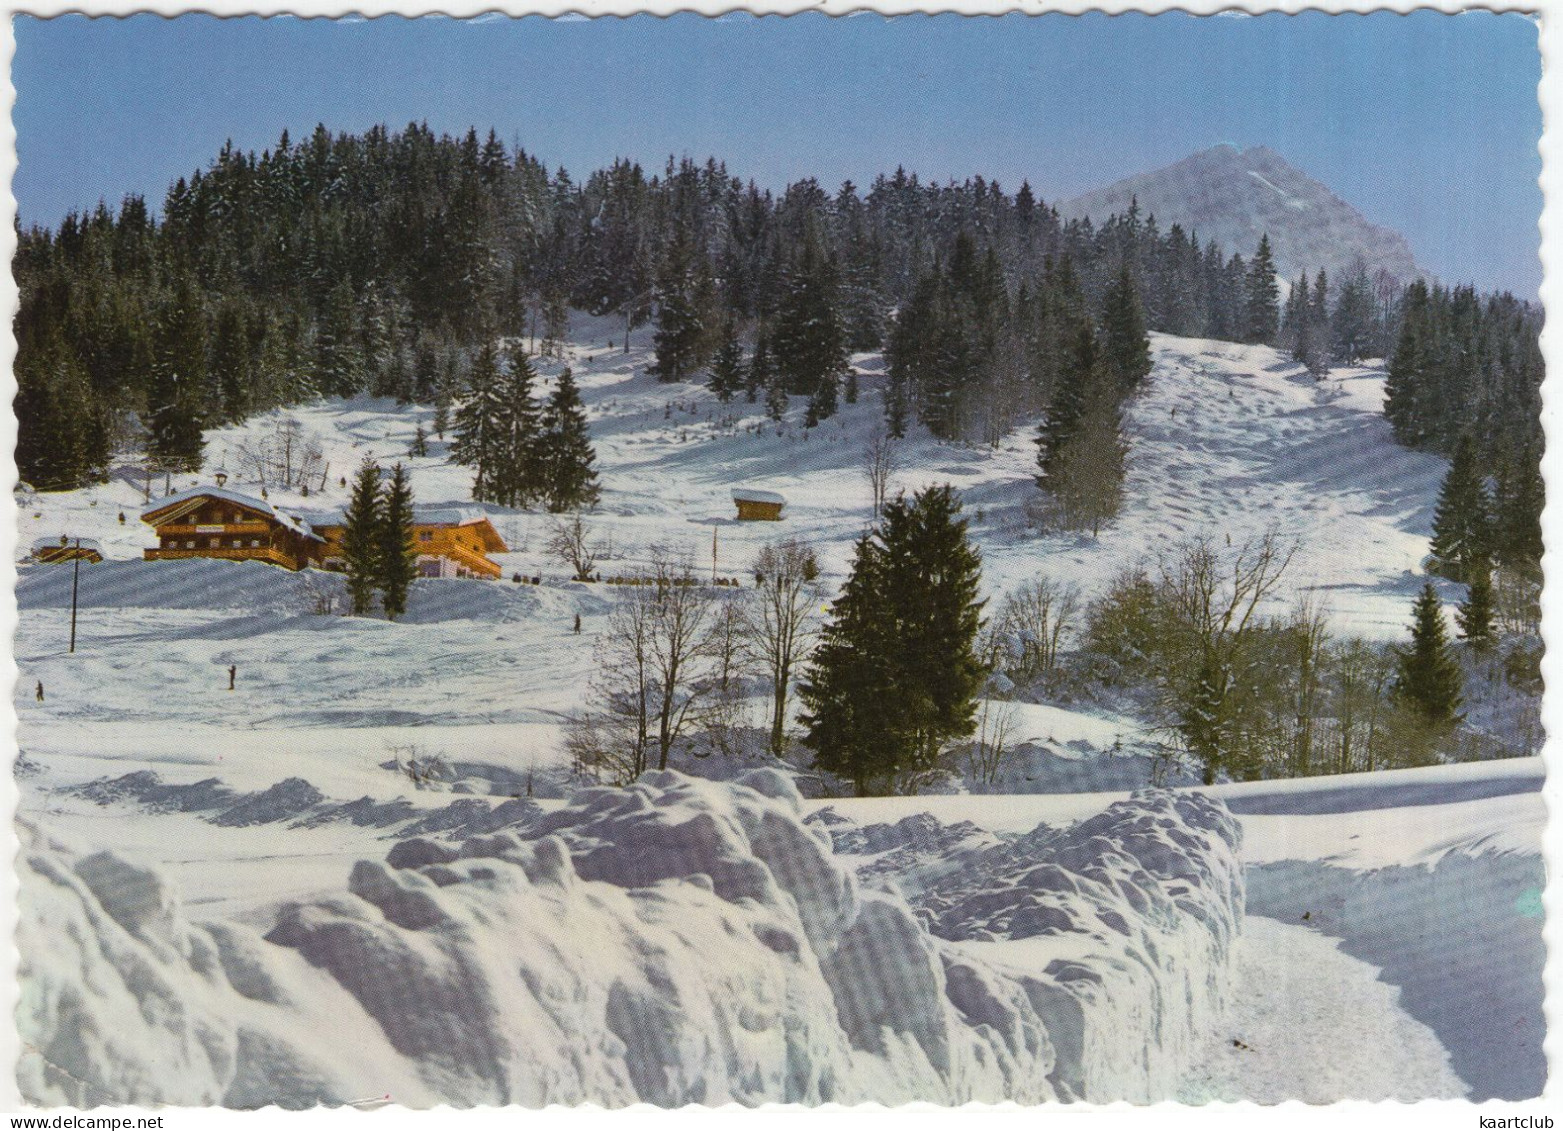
425	536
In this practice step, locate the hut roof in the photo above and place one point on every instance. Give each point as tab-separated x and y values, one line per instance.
43	545
748	495
173	504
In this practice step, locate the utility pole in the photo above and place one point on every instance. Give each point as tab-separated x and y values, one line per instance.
75	581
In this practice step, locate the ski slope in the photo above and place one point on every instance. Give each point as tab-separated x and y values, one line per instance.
310	748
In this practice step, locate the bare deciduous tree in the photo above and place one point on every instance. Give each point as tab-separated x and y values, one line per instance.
571	542
1032	625
1213	601
995	725
881	460
786	619
663	671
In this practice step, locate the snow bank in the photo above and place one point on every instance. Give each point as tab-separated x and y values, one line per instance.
679	941
1131	915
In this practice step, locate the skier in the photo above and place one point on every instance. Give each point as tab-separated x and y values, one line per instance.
577	624
233	672
40	691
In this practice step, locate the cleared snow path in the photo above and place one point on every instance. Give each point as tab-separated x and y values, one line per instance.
1308	1022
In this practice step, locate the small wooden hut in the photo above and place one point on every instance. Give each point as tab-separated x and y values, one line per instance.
758	506
66	549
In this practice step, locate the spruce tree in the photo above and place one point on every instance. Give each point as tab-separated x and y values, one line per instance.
808	345
727	366
1427	676
1261	307
1474	617
1351	325
849	694
481	432
1078	374
569	482
1517	505
681	294
516	476
396	552
759	374
1410	369
896	674
1462	522
176	382
361	538
1126	347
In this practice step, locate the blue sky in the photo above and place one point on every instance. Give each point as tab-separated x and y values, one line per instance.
1427	123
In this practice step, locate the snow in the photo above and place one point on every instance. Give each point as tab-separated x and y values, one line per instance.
1312	1024
1228	440
455	974
749	495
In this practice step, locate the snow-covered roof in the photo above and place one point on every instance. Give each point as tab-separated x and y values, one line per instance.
46	545
172	502
746	495
450	514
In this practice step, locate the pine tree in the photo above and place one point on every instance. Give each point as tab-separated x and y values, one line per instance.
1126	347
1427	676
1462	522
396	556
62	433
481	432
896	674
1078	373
176	382
727	366
1352	323
1410	369
361	538
808	346
1474	617
759	375
420	443
569	482
1517	505
849	691
1261	307
339	358
681	335
516	476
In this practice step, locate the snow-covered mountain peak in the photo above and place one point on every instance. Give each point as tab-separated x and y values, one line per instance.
1234	196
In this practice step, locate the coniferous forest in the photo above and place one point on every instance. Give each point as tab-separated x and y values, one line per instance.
390	263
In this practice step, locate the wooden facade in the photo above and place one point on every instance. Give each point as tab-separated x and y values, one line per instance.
758	506
213	522
451	542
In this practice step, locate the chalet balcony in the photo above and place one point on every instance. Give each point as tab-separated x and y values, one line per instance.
268	554
227	529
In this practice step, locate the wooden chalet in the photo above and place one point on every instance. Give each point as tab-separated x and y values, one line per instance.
66	549
758	506
214	522
451	542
